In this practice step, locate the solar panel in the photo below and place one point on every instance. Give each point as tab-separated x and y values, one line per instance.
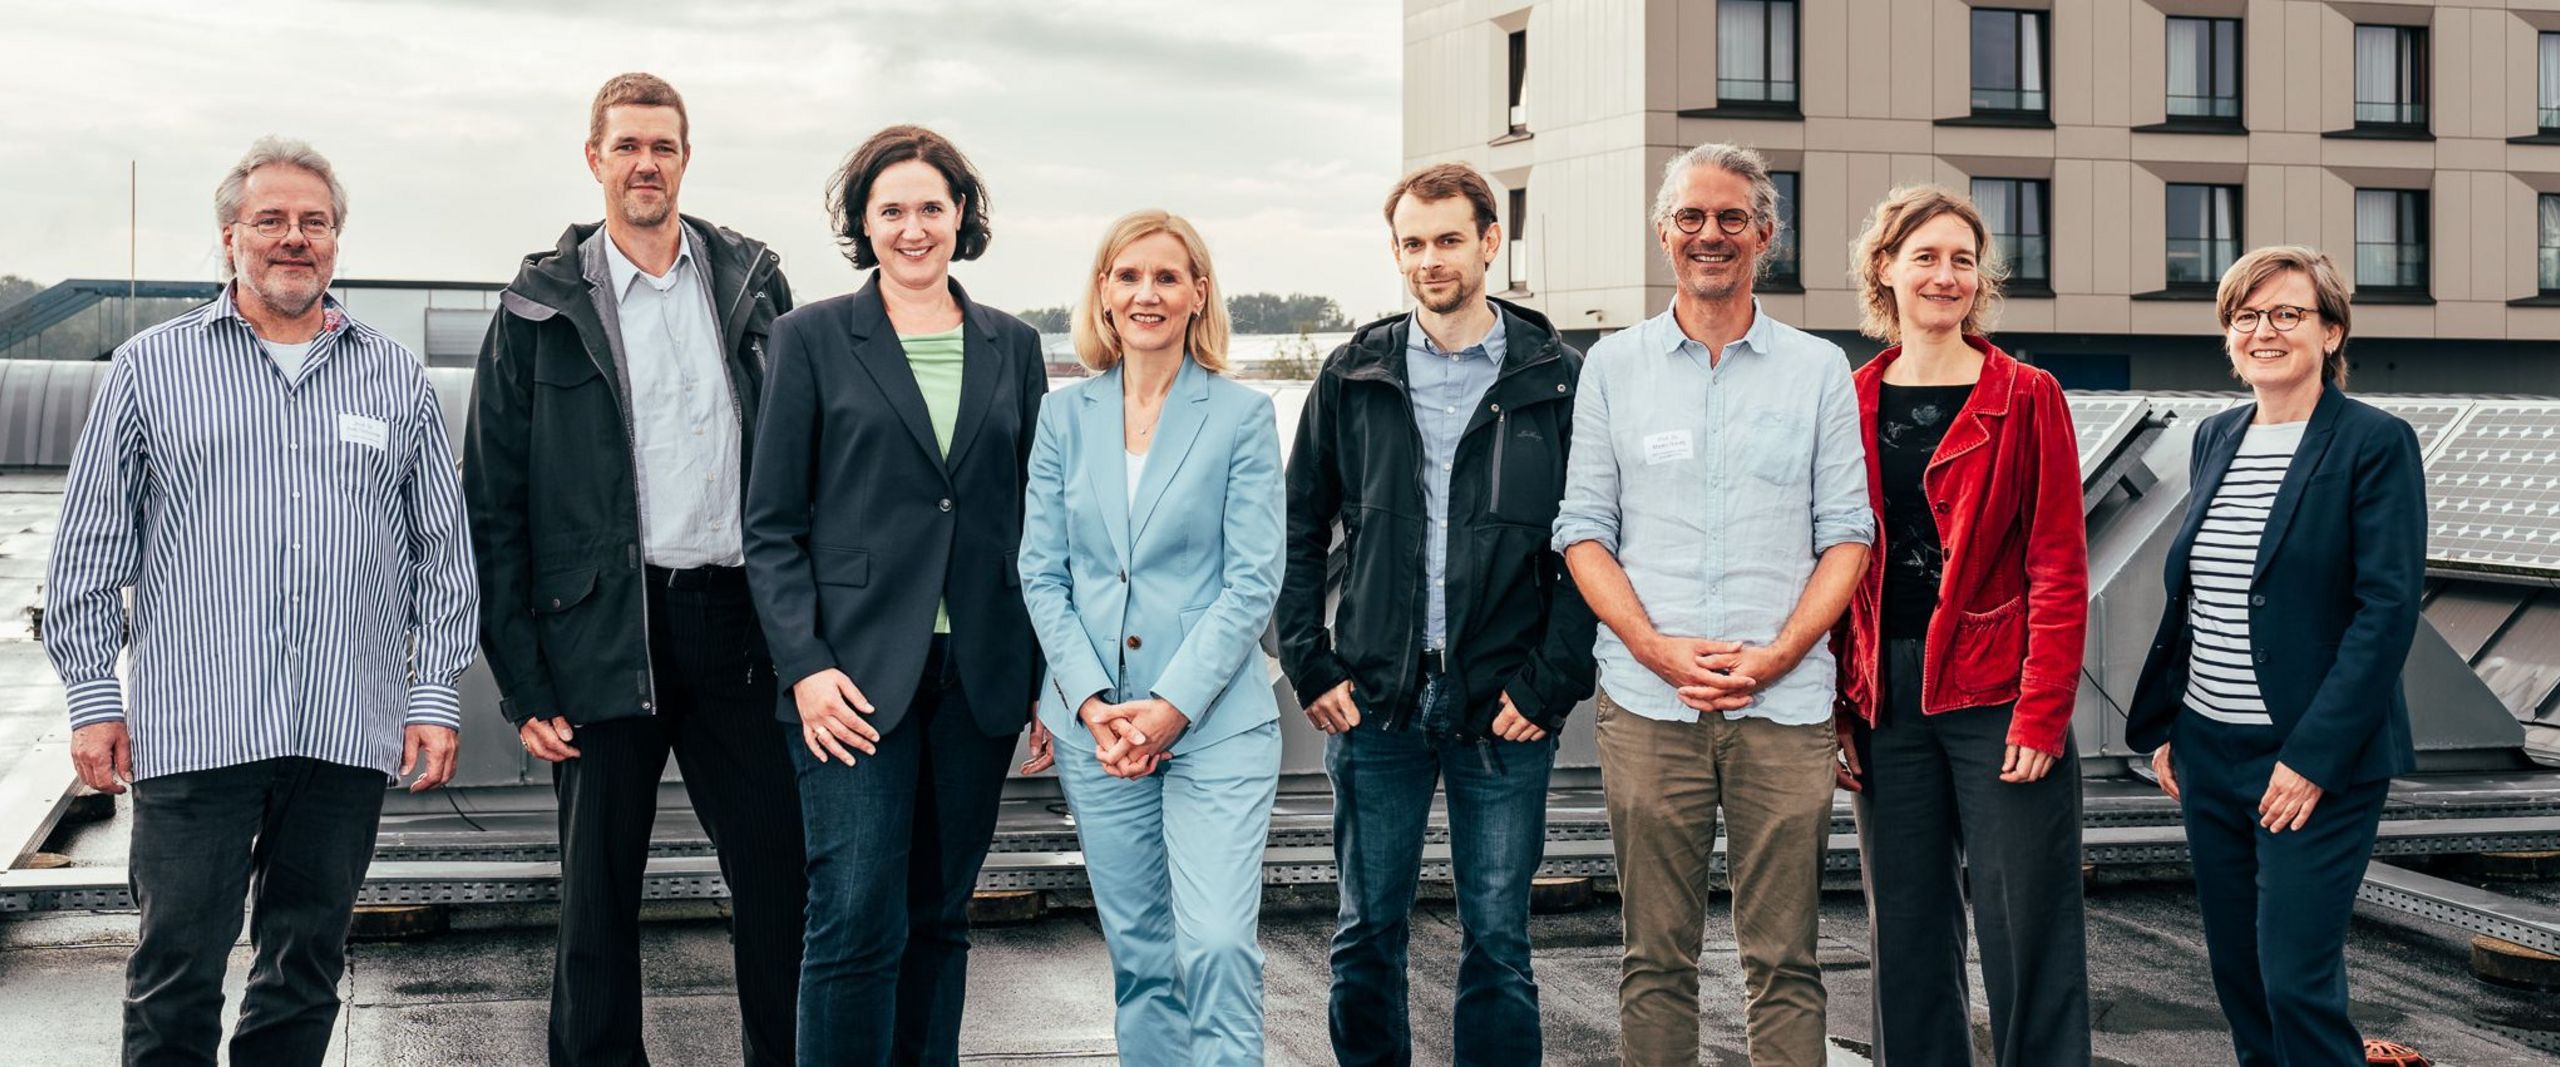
2103	423
2493	489
2189	409
2430	417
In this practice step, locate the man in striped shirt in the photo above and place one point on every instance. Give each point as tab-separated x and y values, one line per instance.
271	480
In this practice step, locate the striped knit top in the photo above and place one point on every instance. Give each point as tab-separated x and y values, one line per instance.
2222	680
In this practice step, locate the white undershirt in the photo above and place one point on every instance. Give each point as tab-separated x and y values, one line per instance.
2222	676
1137	466
288	358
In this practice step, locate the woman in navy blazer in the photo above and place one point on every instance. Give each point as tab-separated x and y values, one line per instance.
2275	679
1151	559
882	515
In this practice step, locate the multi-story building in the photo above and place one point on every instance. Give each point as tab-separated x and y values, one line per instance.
2125	151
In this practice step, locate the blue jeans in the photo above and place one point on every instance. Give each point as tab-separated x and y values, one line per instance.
1382	786
894	845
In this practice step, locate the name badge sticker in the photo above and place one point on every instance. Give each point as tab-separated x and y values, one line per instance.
1667	446
371	433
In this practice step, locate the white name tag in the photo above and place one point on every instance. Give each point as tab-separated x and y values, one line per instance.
371	433
1667	446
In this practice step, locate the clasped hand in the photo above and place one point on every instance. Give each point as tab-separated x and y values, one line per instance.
1712	675
1132	740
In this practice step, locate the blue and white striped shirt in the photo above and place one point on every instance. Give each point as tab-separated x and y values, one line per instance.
301	575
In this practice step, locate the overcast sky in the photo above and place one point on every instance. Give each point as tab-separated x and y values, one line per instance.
456	126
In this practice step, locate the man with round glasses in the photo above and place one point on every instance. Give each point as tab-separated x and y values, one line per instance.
1715	518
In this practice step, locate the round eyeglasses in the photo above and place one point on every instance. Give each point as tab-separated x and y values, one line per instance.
2284	317
1692	220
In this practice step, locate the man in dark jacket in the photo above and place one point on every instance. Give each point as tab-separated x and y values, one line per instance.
1436	441
606	466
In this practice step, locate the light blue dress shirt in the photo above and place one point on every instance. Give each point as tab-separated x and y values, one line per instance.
1445	387
1716	485
684	419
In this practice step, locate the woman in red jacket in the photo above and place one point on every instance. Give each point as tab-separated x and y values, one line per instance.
1962	657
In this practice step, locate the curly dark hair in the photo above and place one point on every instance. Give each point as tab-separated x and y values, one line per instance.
850	190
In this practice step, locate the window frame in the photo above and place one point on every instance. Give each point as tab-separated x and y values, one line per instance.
2239	222
2420	220
2018	283
1768	101
1516	52
2214	44
2546	247
2043	55
1790	185
1515	242
2414	77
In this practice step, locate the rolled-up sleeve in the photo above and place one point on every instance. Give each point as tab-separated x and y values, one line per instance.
1840	511
1589	511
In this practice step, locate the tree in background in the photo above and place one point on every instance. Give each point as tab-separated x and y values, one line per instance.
14	289
1294	313
1048	319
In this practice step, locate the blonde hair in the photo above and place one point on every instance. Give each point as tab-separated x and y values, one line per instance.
2328	288
1098	342
1900	214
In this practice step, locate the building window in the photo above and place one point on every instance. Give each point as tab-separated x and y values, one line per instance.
2015	210
1519	240
1519	81
2547	268
2204	69
1786	264
1755	52
2008	61
2204	233
2391	76
2547	115
2391	239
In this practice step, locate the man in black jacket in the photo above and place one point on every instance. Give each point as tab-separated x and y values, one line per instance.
605	467
1436	442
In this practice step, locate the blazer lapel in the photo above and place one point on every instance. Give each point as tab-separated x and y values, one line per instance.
1988	400
1186	407
1106	467
980	369
2217	463
2306	458
876	347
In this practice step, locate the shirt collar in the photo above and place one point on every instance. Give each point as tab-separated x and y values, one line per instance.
333	315
1668	338
624	270
1492	345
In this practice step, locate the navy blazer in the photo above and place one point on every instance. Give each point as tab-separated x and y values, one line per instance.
1166	594
857	523
2334	605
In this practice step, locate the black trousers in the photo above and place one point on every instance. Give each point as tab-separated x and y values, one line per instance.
2276	906
1934	820
715	700
294	836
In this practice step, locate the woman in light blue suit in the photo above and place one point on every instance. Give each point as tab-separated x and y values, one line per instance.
1150	561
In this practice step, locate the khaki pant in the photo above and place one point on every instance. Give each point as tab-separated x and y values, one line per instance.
1665	782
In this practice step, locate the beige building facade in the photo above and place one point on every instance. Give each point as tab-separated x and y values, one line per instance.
2125	149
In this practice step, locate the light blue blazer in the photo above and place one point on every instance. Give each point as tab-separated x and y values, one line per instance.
1169	594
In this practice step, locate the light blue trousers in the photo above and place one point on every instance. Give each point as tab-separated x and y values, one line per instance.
1176	865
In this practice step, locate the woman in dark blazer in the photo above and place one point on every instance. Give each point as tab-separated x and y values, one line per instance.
1963	659
882	518
2275	678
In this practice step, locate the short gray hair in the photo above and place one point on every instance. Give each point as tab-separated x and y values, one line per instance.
271	151
1734	159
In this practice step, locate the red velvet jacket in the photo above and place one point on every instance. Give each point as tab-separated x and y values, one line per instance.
2013	603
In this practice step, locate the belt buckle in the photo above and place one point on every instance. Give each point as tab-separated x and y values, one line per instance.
1435	660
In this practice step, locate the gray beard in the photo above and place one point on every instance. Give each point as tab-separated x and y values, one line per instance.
644	218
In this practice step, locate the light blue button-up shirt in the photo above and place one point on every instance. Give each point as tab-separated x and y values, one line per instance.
684	419
1716	485
1445	387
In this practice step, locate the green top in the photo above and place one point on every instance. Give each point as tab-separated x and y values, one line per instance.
935	359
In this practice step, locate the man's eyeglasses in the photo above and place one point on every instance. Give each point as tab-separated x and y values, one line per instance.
1692	220
2284	317
274	227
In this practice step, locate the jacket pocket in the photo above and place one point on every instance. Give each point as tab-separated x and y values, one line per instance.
561	590
840	566
564	367
1991	647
